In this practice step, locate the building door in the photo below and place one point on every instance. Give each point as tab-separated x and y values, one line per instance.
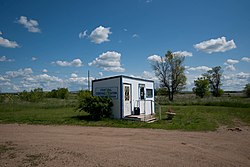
127	99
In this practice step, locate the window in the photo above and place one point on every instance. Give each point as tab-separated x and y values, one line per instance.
142	94
149	93
141	91
127	93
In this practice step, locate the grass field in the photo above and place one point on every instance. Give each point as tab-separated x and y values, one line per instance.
189	115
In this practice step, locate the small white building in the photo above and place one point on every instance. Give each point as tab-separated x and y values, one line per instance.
131	96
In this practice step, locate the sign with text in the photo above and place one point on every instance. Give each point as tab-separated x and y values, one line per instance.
111	92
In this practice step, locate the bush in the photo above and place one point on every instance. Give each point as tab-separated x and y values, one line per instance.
35	95
97	107
61	93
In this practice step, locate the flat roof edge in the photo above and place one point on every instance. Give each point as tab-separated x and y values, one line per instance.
122	76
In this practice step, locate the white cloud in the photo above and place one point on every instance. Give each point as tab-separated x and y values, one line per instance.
230	68
7	43
33	58
246	59
135	36
148	1
243	75
235	81
125	29
109	61
45	70
19	73
183	54
1	33
83	34
47	78
100	35
149	75
199	68
3	79
230	64
5	59
75	62
73	75
215	45
154	58
31	25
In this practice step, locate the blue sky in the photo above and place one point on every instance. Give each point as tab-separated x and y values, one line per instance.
52	44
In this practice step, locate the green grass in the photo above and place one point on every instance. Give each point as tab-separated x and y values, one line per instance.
62	112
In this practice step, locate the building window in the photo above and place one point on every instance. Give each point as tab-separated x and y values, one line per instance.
127	93
149	93
142	91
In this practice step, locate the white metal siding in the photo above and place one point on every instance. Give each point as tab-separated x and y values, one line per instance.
146	106
111	83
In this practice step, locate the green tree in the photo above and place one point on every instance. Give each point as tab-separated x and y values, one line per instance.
62	93
170	72
247	90
214	78
201	88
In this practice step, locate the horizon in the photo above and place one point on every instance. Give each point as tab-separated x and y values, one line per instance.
48	45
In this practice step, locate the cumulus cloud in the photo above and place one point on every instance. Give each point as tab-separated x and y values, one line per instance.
183	54
109	61
33	58
100	35
45	70
47	78
75	63
200	68
83	34
19	73
215	45
5	59
73	75
230	64
149	75
7	43
230	68
235	81
246	59
154	58
31	25
135	36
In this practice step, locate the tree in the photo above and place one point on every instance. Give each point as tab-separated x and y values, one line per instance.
247	90
201	88
214	78
170	72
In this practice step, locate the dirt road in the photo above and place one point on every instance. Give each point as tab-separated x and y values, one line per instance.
37	145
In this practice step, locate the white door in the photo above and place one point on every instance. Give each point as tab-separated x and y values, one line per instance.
127	99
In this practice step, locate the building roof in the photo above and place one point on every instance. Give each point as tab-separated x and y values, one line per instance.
122	76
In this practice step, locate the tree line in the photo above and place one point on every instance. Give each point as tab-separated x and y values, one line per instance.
38	94
170	71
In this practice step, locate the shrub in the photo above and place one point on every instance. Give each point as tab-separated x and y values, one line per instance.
61	93
32	96
97	107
